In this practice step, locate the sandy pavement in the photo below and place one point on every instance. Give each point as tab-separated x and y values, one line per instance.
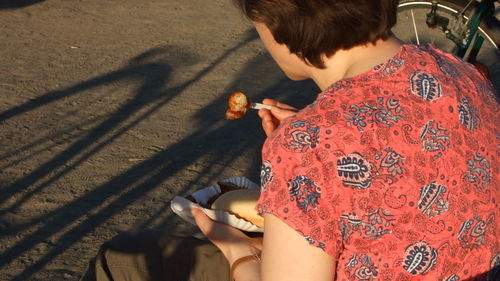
108	109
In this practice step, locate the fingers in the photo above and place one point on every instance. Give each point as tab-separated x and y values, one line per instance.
276	114
195	212
269	126
281	114
232	242
286	106
269	122
272	118
270	102
276	103
202	220
213	230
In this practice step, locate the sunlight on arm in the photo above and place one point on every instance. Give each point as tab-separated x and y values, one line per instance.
288	256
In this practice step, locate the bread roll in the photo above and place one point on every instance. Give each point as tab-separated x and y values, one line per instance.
241	203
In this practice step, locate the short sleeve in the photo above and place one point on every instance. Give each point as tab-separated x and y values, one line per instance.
294	173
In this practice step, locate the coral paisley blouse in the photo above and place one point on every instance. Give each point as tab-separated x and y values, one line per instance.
394	172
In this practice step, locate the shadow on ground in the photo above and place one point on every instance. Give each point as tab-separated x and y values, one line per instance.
223	141
13	4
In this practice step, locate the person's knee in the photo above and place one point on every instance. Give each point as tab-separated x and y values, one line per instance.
132	248
129	256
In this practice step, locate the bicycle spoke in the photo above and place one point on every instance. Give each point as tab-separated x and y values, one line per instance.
415	27
412	26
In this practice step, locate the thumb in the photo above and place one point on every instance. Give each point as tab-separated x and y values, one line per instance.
200	218
204	222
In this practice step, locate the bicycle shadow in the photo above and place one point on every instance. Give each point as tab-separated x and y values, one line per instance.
15	4
276	86
245	132
153	77
71	222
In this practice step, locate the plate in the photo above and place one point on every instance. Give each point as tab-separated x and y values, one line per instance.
182	206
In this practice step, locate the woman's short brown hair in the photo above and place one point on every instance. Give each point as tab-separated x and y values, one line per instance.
312	28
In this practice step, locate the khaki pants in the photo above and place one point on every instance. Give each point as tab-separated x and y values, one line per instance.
149	255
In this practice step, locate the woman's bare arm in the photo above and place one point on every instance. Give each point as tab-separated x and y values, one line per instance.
286	255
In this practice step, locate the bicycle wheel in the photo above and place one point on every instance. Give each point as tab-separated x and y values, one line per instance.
411	27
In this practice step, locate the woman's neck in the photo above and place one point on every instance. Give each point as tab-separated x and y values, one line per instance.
349	63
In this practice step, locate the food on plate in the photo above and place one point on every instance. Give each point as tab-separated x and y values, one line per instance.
191	198
228	186
240	202
238	105
234	199
223	186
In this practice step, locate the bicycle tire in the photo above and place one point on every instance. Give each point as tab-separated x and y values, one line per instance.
412	20
489	26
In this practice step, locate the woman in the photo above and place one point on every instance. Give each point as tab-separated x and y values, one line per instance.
390	174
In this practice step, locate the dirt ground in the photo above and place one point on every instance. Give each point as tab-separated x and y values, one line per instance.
110	108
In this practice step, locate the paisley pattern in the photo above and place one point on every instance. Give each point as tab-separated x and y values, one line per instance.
301	136
435	138
393	162
266	175
452	278
467	114
472	233
479	172
370	227
304	192
446	66
420	257
433	200
354	171
361	267
340	85
425	85
383	112
393	172
390	67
